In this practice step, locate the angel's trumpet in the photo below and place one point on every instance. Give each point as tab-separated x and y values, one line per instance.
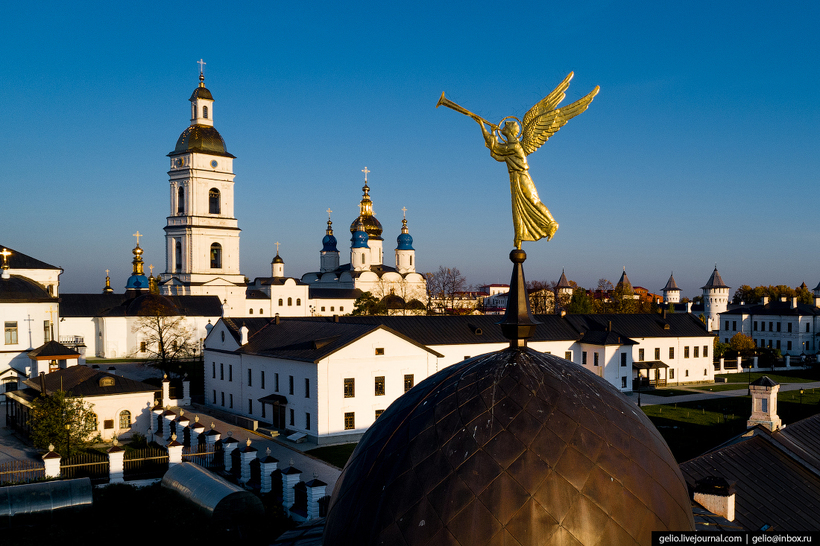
450	104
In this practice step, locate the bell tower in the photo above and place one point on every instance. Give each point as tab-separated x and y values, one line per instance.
201	233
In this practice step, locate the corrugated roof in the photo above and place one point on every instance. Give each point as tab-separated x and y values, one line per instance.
53	349
774	308
120	305
18	260
714	281
334	293
85	382
671	284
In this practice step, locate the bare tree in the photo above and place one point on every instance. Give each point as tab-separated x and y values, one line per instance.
164	338
542	297
442	287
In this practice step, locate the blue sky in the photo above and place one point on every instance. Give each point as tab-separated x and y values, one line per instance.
701	147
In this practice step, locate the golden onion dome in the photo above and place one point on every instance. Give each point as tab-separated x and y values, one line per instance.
372	226
202	139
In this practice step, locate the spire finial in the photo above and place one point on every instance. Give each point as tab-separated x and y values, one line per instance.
365	171
277	247
138	235
201	64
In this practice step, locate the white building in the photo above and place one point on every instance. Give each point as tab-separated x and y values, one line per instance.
297	373
715	300
786	325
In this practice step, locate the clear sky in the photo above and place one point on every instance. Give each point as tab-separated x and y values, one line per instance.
701	147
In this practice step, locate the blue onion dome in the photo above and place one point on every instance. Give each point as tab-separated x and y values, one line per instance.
405	240
329	240
360	237
137	282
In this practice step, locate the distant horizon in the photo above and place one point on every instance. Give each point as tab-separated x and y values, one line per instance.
700	148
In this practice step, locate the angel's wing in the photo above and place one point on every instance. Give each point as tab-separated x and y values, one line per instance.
542	122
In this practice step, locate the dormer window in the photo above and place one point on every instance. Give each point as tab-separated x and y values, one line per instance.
106	382
205	112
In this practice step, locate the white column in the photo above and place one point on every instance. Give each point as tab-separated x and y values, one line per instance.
212	437
315	491
247	455
754	362
174	451
156	415
51	460
227	447
168	417
267	467
722	368
739	363
290	477
166	391
116	463
186	392
788	361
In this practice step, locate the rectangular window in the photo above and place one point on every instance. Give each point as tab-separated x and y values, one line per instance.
307	421
686	373
807	327
292	417
788	345
726	323
686	351
221	371
734	325
697	351
640	355
250	405
584	358
263	379
789	327
754	326
705	351
409	382
230	372
568	355
778	326
778	344
276	382
657	353
350	420
223	399
323	308
307	388
379	413
764	405
250	377
213	369
771	326
214	396
263	411
47	331
350	387
109	423
380	385
595	358
671	374
231	400
379	351
290	384
11	333
623	382
671	353
142	346
623	360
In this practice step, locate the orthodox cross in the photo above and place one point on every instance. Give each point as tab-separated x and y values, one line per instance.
51	320
138	235
277	248
365	171
29	320
328	213
404	212
106	273
151	269
201	64
5	254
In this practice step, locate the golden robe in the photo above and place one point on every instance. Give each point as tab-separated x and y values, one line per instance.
531	218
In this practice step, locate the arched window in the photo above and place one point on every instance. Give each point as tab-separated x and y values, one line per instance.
125	419
298	301
260	310
362	258
411	260
250	311
280	302
181	200
178	256
290	302
216	256
94	421
205	112
213	201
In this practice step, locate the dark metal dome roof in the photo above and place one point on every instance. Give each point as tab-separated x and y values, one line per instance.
152	304
19	288
372	226
202	139
510	445
201	93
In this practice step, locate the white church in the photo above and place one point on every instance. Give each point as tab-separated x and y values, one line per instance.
202	241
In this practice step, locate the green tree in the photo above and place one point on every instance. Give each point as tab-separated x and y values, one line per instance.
804	295
63	421
165	339
720	348
580	303
742	343
368	304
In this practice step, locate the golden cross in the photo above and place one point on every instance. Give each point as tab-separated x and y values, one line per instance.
51	313
106	272
138	235
404	211
365	171
151	269
201	64
5	253
328	213
277	248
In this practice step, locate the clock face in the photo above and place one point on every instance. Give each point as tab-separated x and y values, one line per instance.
180	162
214	163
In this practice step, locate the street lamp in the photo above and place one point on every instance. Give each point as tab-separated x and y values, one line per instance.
801	396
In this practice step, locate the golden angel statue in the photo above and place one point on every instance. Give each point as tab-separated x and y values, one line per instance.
514	141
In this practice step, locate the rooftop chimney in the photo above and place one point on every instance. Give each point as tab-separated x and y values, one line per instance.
243	335
765	300
794	302
716	495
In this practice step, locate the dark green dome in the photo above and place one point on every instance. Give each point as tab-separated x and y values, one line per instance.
201	93
201	138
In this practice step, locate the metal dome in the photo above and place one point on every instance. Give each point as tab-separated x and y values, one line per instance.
512	447
202	139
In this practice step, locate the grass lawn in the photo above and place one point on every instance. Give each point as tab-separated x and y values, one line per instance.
335	455
720	387
666	392
779	375
691	428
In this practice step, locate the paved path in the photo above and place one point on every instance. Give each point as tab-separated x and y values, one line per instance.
12	448
652	400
